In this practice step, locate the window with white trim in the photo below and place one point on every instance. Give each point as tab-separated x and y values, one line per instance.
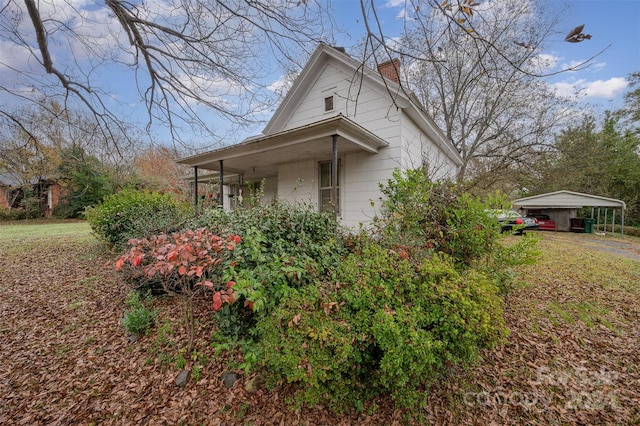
326	185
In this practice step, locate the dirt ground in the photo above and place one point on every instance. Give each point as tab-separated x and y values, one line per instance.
573	355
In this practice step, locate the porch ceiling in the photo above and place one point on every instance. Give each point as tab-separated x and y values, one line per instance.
259	157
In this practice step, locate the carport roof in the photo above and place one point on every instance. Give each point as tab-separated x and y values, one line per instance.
567	200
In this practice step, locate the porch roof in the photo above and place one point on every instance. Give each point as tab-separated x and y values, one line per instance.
259	157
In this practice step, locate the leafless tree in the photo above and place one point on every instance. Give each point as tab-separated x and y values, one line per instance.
478	68
188	60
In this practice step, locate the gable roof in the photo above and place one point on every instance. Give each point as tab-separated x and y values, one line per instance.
324	55
567	200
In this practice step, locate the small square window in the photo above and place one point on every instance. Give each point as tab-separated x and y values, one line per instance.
328	103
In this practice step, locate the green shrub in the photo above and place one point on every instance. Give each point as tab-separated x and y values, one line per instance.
632	231
417	295
505	258
138	318
9	214
135	214
387	327
284	247
422	217
303	344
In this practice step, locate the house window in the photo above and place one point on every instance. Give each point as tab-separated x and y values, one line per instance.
328	104
326	186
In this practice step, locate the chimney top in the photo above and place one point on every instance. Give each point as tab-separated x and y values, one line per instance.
390	69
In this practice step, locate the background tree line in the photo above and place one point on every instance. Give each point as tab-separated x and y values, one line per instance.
71	151
477	68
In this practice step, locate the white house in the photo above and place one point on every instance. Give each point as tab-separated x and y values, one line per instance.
340	131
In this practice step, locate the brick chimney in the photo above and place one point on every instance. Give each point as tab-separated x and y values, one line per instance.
390	70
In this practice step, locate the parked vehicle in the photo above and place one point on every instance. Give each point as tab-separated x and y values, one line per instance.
544	221
511	221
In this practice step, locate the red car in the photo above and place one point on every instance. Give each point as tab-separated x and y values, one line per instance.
544	222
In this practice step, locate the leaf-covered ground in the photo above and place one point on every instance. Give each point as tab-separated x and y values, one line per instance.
573	356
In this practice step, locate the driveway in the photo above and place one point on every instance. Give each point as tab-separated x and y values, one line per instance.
627	247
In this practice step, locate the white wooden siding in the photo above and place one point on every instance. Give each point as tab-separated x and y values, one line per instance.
371	109
361	172
418	148
298	182
270	189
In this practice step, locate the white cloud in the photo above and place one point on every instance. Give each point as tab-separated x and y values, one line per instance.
282	85
402	14
395	3
599	89
577	65
543	63
606	89
14	56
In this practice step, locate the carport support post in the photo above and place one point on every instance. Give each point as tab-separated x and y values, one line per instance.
334	175
622	222
222	184
606	210
195	186
613	220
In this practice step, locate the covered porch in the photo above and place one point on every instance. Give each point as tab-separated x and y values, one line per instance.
264	156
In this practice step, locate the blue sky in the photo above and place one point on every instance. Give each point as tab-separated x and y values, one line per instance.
613	23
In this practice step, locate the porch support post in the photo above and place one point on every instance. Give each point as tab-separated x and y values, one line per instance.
222	184
195	186
334	175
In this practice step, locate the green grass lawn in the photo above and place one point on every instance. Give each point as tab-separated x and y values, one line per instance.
43	228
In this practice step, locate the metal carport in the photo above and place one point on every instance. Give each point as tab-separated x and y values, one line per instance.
561	202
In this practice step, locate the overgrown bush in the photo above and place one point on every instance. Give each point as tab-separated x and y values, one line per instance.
387	311
418	295
135	214
632	231
387	326
423	217
284	247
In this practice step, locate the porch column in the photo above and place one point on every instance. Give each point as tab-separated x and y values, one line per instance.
195	186
334	176
222	184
